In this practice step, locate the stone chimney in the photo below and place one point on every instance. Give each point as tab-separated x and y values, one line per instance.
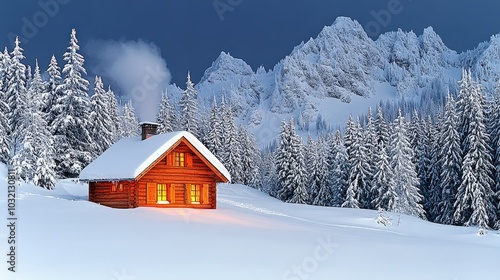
148	129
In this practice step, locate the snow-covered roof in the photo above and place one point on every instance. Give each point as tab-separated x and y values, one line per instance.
126	159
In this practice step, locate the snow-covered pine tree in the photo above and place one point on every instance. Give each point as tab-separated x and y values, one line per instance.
494	130
54	91
474	200
71	126
381	129
232	147
319	176
16	96
406	179
310	157
267	171
283	159
5	61
420	141
129	125
4	127
450	162
114	113
102	130
350	135
435	169
338	166
298	176
4	110
370	142
213	138
166	115
35	159
428	167
249	158
29	76
4	65
37	87
189	108
44	169
383	181
360	173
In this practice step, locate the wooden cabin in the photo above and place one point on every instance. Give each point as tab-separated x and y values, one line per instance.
167	170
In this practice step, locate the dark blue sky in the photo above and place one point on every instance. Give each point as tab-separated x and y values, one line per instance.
192	33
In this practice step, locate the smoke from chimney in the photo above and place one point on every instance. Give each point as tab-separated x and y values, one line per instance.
138	70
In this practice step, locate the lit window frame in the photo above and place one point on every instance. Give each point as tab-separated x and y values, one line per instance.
179	159
161	193
195	194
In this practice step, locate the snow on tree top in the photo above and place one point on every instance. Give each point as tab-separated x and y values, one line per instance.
130	156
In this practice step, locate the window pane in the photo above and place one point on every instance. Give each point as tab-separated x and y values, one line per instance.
179	159
162	192
195	193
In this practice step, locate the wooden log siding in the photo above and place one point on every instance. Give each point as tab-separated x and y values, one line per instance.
105	194
143	190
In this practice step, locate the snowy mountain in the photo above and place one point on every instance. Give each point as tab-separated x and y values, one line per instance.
250	235
340	70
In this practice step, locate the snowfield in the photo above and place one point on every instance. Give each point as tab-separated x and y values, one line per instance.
60	235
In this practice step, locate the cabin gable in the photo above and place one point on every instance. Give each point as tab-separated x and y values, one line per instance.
180	178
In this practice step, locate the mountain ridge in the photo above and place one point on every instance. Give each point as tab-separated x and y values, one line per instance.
343	63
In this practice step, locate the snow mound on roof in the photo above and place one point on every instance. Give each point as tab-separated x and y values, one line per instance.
126	159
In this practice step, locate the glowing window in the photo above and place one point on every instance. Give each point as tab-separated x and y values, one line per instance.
179	159
120	187
114	187
161	192
195	194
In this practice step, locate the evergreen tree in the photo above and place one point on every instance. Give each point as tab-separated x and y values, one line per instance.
232	152
310	158
360	174
298	176
213	137
249	158
370	142
166	115
16	96
408	200
339	171
319	176
425	166
129	125
381	130
283	159
494	128
383	181
4	128
102	130
114	114
450	162
4	109
267	171
474	200
71	125
189	108
54	91
435	190
290	166
35	159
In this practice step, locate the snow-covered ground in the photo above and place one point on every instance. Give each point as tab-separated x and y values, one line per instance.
250	236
